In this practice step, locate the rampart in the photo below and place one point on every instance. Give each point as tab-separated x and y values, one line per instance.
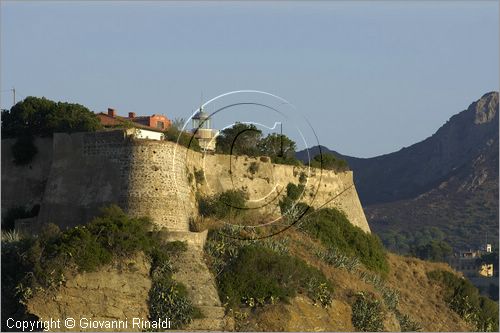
156	179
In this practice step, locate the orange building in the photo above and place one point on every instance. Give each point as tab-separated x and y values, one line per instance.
156	122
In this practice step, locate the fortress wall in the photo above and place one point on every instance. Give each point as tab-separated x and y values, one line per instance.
89	170
156	179
158	184
324	188
24	185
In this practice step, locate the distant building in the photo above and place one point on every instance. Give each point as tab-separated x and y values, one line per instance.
202	130
486	270
143	127
470	264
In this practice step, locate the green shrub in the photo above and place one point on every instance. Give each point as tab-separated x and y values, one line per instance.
86	248
367	314
292	160
168	299
222	205
407	324
261	274
182	138
290	201
337	259
80	246
334	230
294	192
199	176
302	177
329	162
463	298
253	168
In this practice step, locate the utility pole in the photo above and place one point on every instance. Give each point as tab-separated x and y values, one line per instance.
13	96
281	138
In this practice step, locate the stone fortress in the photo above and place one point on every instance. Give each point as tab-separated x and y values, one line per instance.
73	175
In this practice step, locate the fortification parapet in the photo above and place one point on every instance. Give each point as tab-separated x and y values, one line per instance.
156	179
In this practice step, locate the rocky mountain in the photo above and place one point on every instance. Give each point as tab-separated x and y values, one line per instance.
448	181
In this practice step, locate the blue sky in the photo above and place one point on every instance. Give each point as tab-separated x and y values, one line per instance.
370	77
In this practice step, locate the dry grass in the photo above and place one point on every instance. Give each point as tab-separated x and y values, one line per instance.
420	299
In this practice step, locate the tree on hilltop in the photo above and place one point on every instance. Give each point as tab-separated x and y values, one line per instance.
240	139
36	116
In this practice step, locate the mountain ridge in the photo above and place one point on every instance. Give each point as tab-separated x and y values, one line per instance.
448	180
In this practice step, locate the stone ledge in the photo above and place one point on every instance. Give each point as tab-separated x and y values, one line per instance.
195	240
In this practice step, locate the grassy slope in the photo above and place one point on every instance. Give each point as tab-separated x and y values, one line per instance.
419	299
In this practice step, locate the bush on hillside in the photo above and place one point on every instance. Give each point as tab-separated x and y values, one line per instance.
463	298
34	264
113	234
367	313
334	230
265	276
289	205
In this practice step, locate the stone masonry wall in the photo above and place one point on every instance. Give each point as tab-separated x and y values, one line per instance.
24	185
91	170
266	186
156	179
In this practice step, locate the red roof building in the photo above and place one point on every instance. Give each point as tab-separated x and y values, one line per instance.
155	122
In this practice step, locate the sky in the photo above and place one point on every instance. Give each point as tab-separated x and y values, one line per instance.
368	78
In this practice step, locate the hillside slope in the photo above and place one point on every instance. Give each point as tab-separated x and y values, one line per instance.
419	298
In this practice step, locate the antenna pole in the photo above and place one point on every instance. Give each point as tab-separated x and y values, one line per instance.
13	96
281	138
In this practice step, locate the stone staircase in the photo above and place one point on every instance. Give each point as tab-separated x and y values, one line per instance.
193	272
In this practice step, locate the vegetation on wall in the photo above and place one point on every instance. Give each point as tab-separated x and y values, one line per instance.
290	205
229	203
463	298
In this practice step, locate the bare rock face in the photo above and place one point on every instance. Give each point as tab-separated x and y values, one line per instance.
116	292
486	108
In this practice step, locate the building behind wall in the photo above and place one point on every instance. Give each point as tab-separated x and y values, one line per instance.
144	127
